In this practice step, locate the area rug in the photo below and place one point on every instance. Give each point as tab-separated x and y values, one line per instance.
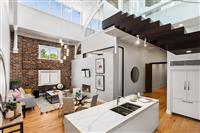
45	106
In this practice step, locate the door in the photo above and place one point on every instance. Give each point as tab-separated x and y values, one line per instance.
179	84
193	78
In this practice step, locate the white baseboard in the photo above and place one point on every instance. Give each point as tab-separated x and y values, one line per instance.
168	112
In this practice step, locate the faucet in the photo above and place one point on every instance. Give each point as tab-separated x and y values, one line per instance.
118	99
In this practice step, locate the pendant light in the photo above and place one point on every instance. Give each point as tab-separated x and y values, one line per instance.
61	42
137	42
145	42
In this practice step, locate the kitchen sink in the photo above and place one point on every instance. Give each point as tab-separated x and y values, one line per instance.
125	108
130	106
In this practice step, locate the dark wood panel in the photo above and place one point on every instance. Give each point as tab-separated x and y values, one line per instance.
151	26
109	21
136	28
128	24
153	33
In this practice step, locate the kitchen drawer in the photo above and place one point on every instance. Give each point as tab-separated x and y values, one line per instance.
183	107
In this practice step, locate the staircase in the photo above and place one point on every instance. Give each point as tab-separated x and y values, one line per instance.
166	37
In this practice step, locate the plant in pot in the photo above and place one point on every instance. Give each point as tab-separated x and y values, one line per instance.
9	108
14	84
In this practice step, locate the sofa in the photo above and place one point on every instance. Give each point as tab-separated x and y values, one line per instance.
20	95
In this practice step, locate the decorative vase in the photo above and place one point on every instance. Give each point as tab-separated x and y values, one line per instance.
10	114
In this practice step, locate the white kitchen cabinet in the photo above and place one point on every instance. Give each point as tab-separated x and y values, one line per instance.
186	92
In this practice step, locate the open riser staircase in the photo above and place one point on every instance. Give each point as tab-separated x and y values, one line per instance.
175	40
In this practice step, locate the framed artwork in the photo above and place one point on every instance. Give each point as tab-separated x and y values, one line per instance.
100	66
100	82
87	73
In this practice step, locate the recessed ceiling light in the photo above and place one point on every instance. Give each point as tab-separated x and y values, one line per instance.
180	25
188	51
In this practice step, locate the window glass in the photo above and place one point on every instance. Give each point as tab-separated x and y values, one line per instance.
49	53
43	5
76	17
67	13
55	8
30	3
53	54
44	53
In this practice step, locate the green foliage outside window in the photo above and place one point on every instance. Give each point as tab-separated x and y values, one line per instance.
44	54
53	56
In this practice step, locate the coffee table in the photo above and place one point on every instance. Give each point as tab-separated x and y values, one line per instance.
52	96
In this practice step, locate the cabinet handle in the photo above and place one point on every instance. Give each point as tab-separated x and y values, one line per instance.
187	101
188	85
185	85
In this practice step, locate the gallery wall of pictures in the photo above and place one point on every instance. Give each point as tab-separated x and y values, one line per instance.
100	71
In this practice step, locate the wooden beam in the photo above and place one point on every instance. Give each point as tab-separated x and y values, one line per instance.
152	34
110	21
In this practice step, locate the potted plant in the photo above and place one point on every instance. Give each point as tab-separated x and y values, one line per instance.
14	84
9	109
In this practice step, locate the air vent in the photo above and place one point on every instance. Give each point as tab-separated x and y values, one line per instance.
185	63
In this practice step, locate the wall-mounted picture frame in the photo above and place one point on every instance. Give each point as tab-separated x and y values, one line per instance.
100	66
87	73
100	82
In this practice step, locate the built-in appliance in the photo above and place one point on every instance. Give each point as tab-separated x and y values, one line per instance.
185	84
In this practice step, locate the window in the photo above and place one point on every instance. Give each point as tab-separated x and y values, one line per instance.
43	5
30	3
67	13
49	53
49	77
75	16
54	7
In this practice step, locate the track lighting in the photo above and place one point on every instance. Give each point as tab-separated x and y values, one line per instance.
137	42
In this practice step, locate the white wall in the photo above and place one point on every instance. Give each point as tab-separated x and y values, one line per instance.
159	75
35	20
87	8
97	41
89	63
4	40
138	56
108	10
172	57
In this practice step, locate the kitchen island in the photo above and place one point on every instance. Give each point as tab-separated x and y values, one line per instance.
102	119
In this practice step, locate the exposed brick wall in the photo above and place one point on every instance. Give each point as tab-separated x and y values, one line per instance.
25	64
